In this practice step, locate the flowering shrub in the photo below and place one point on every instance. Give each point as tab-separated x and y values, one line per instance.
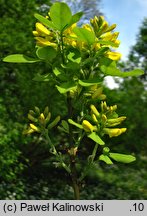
79	58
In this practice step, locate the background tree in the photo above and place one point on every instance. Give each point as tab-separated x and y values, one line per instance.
138	53
21	158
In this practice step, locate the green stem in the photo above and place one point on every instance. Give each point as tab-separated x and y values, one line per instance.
94	152
62	48
54	151
92	157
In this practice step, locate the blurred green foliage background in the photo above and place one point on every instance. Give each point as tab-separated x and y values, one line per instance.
26	168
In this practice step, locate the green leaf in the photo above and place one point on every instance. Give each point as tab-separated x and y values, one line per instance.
96	138
46	53
57	71
72	66
60	74
42	78
20	58
108	67
65	87
62	129
75	124
60	15
89	82
122	157
75	18
44	21
72	57
106	159
135	72
84	35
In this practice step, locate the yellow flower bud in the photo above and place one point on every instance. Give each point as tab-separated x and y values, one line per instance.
114	107
54	123
102	97
87	126
97	93
48	118
46	110
94	23
94	110
116	120
117	43
104	118
37	110
35	33
31	112
42	118
42	29
104	26
73	151
87	27
100	20
110	28
94	118
36	129
30	117
28	131
104	107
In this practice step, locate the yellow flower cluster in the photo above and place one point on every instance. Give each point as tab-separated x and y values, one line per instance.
44	36
104	37
40	121
104	121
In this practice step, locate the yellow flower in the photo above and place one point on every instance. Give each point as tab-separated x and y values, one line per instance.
41	29
115	56
87	27
44	42
35	33
113	132
87	126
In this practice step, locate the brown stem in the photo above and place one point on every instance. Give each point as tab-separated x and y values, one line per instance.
74	178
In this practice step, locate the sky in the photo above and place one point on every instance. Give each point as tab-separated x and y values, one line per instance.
128	15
